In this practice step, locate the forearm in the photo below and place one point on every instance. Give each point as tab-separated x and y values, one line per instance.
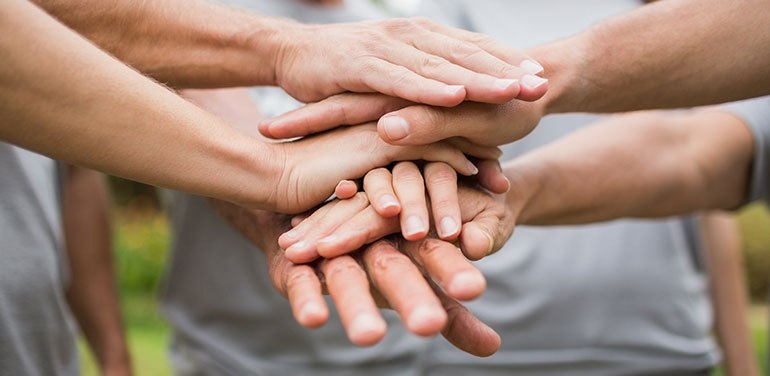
670	54
722	247
181	43
62	97
637	165
92	292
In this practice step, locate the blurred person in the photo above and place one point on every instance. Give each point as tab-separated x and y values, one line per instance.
57	260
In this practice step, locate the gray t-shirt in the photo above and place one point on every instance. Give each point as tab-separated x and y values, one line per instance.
604	299
756	114
622	297
37	334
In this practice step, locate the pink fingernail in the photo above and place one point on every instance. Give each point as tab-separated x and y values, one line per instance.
395	127
531	67
448	226
532	82
388	201
472	168
454	89
413	226
505	84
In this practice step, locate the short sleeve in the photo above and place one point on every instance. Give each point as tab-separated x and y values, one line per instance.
756	114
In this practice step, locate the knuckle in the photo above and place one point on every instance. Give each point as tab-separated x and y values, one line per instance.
422	21
430	249
440	173
432	63
297	277
399	25
385	261
360	199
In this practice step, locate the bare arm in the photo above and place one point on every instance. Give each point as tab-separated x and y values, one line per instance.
727	282
677	53
195	43
92	292
641	165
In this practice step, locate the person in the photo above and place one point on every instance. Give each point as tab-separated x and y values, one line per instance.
107	117
57	268
557	284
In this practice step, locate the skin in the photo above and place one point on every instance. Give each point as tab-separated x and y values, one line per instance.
720	237
669	54
92	291
202	44
420	280
581	178
107	118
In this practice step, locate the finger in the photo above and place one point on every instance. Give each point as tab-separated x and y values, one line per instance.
466	331
337	110
398	81
447	266
313	229
491	176
349	288
475	150
530	89
378	185
419	125
346	189
304	293
404	287
480	237
363	228
441	182
479	87
410	191
297	219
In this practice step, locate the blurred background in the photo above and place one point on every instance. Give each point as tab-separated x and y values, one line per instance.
141	241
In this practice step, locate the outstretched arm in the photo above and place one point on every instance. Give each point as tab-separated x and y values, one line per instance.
669	54
639	165
201	44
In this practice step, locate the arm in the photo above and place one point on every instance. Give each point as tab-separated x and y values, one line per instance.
721	246
669	54
639	165
112	119
92	292
202	44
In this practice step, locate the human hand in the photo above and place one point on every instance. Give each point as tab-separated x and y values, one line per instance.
342	226
311	168
397	281
415	59
404	123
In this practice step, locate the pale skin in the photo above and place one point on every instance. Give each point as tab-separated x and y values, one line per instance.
192	151
668	54
92	292
403	275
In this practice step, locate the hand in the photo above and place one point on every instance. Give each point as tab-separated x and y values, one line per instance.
415	59
342	226
397	280
403	123
310	168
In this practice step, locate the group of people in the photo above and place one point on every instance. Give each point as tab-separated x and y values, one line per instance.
430	135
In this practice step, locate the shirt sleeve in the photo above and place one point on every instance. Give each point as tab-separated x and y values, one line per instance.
756	114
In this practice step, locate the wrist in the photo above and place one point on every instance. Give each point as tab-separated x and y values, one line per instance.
565	66
271	40
264	164
526	182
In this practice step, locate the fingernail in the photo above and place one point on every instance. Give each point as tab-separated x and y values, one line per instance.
296	248
463	280
329	239
290	235
413	226
424	316
310	311
532	82
472	168
505	84
395	127
365	325
531	67
387	201
448	226
454	89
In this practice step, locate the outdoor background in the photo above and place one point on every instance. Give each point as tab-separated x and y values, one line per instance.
141	238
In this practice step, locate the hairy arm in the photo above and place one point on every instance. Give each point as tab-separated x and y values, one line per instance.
92	292
638	165
727	283
678	53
